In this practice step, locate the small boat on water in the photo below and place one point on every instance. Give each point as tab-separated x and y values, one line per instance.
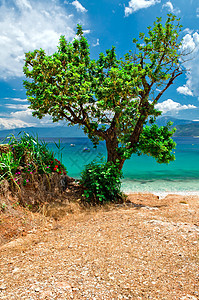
72	145
86	149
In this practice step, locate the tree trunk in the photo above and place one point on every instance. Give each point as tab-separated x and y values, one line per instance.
113	155
139	127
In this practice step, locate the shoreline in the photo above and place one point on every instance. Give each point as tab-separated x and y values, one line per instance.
163	195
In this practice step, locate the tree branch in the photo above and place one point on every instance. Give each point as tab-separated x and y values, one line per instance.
85	121
170	82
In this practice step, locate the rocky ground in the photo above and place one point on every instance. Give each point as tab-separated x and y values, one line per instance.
145	249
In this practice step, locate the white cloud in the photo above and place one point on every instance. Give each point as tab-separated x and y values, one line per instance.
135	5
168	5
188	30
189	42
28	25
184	90
172	106
190	47
96	44
23	4
24	118
8	123
197	12
16	106
170	8
78	6
16	99
86	31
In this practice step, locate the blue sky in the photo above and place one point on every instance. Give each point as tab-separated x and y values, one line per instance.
32	24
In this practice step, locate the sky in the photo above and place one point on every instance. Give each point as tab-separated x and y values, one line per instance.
26	25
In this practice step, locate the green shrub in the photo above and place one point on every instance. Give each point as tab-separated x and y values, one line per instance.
101	182
27	156
8	167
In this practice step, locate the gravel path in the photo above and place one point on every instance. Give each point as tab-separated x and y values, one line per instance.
146	250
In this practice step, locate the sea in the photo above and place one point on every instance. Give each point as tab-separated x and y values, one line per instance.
140	173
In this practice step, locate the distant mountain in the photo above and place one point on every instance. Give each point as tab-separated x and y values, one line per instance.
162	121
56	131
187	130
184	128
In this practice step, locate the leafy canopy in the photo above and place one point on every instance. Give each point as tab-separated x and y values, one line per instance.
111	98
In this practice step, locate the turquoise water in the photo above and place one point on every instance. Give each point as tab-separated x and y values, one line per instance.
141	174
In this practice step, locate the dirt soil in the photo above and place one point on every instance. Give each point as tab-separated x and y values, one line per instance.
145	249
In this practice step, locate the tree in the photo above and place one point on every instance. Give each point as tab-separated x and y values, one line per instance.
112	99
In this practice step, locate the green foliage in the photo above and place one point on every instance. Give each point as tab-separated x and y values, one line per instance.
101	182
27	156
3	206
111	98
157	142
34	155
8	167
60	148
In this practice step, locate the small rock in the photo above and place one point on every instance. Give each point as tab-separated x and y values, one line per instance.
2	287
63	285
111	277
188	297
84	273
45	294
15	270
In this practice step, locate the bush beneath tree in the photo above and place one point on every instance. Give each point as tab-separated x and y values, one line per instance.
101	182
